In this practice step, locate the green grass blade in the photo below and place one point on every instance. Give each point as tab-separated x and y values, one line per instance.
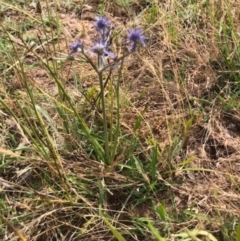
116	234
238	233
155	232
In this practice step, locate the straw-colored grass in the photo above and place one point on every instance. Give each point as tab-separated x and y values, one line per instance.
175	172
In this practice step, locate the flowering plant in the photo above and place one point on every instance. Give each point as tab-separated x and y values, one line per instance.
102	50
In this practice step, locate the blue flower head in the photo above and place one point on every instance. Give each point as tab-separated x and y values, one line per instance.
102	24
76	47
135	37
101	48
104	28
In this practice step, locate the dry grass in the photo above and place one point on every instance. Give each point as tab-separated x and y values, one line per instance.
183	87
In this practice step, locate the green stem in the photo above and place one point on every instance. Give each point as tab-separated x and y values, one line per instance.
117	133
106	142
107	159
111	134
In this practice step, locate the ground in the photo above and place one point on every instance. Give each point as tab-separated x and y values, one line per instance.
175	174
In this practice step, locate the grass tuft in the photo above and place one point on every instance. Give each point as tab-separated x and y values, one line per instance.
145	147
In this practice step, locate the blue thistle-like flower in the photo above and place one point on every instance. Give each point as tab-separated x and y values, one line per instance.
104	28
135	37
76	47
102	24
101	48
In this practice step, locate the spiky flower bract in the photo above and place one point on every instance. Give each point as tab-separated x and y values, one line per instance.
102	48
135	37
102	24
76	47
